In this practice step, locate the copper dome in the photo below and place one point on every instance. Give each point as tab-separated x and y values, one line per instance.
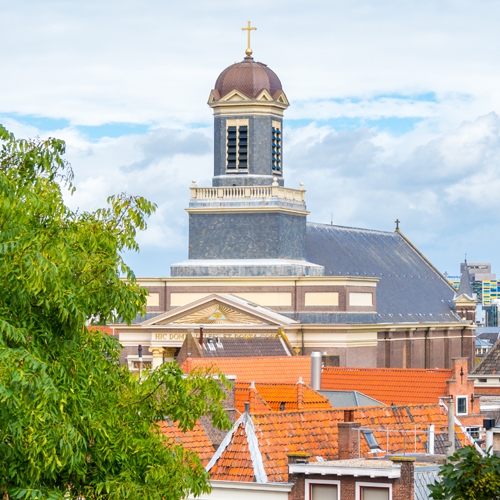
249	77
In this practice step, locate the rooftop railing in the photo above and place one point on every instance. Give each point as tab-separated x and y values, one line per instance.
247	193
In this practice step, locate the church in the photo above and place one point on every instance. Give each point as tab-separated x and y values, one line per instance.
257	268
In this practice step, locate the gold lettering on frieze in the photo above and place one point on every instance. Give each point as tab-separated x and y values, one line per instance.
242	335
177	336
160	336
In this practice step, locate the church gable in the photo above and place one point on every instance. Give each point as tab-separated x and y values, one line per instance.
218	314
219	310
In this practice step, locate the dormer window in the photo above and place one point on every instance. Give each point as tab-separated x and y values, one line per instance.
276	147
371	440
237	145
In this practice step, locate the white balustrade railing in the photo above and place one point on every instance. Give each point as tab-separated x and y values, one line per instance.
242	192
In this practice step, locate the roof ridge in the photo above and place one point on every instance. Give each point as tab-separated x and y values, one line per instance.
376	231
425	259
373	368
253	447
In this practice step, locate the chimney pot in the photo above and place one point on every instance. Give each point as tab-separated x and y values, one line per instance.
316	365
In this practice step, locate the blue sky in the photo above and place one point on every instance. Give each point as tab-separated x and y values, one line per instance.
394	108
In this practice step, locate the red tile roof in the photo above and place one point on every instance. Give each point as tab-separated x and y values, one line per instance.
101	328
279	397
263	370
258	447
399	386
195	440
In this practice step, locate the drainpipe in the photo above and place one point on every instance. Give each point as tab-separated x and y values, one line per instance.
430	440
450	449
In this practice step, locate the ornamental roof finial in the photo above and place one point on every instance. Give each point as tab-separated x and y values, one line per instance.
249	28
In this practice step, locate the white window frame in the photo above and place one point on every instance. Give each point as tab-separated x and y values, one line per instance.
238	122
466	405
372	485
309	482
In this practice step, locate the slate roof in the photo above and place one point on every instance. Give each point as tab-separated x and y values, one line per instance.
410	288
278	397
256	448
465	287
492	333
346	399
490	364
424	476
195	440
267	369
389	385
254	346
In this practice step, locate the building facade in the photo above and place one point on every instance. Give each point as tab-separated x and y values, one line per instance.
256	266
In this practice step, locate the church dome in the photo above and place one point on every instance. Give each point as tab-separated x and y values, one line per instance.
249	77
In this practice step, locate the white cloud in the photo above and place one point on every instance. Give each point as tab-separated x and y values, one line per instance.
358	70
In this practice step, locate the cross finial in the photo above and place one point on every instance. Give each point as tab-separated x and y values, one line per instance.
397	221
249	28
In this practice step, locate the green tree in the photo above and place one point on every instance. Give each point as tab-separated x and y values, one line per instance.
73	422
468	475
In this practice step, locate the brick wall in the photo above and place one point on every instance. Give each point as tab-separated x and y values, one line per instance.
402	487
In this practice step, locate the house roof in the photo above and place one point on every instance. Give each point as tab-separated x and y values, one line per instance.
195	440
389	385
102	328
267	369
410	288
278	397
492	334
257	446
490	364
253	346
346	399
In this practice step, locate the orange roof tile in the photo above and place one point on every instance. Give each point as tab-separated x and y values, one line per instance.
399	386
274	396
258	446
101	328
258	369
195	440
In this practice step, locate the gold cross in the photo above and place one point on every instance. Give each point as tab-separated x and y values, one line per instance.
249	51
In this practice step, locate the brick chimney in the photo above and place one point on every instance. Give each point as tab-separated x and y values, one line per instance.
404	487
348	440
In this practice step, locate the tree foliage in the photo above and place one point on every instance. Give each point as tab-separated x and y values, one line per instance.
468	475
73	422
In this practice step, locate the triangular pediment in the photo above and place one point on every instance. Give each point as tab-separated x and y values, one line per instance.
217	309
217	314
264	96
464	299
214	96
280	96
235	95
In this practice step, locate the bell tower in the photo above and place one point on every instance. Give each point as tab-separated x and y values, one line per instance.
247	223
248	103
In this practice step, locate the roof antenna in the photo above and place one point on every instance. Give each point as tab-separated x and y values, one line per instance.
465	258
331	220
